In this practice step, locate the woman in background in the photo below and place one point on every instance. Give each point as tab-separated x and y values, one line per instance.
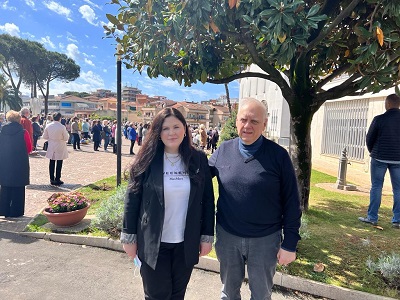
14	161
169	208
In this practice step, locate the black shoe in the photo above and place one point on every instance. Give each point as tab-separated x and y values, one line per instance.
396	225
56	182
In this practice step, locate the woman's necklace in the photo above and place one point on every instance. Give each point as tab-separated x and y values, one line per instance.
171	161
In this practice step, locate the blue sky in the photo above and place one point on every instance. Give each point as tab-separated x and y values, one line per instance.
76	29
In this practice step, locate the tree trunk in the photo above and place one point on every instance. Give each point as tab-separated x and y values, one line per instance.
228	100
301	113
300	151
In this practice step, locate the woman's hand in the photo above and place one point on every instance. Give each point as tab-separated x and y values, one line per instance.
205	248
130	249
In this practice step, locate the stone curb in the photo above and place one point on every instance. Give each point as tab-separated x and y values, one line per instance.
211	264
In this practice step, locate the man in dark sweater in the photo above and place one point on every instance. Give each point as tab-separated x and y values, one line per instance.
258	201
383	143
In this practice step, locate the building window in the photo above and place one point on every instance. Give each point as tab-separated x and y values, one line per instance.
345	126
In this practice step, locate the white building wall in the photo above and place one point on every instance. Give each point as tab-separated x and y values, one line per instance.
278	126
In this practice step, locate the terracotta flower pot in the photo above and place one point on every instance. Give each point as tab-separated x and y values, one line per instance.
66	219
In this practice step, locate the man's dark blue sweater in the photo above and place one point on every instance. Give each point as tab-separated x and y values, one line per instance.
258	195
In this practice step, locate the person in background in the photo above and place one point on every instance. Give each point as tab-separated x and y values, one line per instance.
209	136
126	127
107	134
113	136
26	123
56	134
383	143
132	137
145	130
48	120
68	127
169	209
214	139
37	132
140	133
258	200
203	136
14	161
75	133
85	129
96	131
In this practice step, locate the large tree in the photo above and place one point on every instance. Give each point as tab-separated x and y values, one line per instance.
52	66
17	56
311	42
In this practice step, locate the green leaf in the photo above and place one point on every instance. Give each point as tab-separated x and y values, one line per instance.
373	48
247	19
313	10
112	19
288	19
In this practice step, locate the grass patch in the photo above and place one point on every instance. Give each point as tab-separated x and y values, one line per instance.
342	243
37	223
100	190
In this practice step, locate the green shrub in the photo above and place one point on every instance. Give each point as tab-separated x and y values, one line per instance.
229	131
110	212
388	266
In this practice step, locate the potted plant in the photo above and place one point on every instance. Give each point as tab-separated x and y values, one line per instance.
66	209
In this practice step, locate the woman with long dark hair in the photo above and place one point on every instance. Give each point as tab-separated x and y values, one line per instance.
169	208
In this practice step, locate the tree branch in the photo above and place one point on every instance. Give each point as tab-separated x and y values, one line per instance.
241	75
341	70
344	14
348	87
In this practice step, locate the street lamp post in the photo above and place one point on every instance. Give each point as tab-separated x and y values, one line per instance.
119	121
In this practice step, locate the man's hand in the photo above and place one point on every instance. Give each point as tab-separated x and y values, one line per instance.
285	257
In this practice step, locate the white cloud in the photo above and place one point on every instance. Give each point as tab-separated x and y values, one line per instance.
58	9
30	3
92	4
88	14
89	62
28	36
5	6
73	51
10	28
169	83
197	94
93	79
105	71
71	38
47	42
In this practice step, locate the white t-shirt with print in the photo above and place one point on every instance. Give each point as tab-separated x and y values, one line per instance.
176	199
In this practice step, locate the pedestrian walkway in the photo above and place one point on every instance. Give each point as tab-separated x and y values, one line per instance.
81	168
